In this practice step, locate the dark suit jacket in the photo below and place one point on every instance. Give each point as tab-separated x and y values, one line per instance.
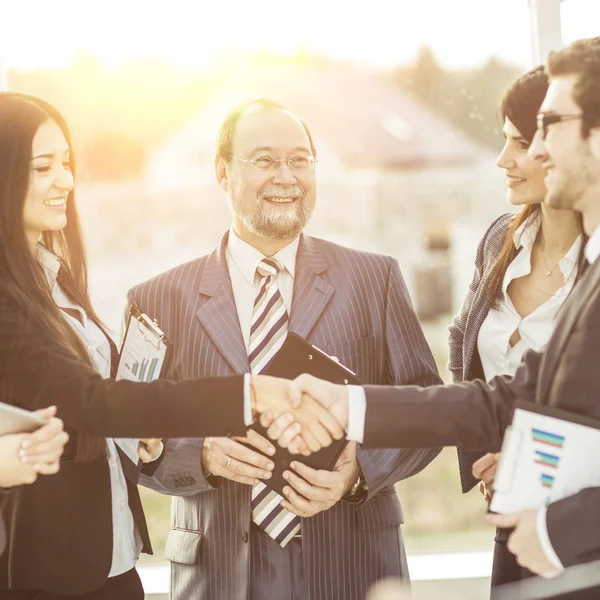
351	304
475	415
59	529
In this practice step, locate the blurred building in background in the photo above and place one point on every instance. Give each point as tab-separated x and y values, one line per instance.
393	177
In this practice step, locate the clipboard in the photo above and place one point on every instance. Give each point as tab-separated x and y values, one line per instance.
145	350
17	420
547	454
295	357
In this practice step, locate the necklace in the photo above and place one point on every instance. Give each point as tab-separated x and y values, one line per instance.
548	271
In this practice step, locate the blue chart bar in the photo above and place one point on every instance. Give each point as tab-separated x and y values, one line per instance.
153	364
135	367
143	370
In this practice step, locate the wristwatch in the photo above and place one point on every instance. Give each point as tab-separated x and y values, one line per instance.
358	489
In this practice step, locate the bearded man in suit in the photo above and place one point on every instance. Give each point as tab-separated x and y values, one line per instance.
334	533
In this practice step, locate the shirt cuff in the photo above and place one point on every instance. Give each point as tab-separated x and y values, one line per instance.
357	409
248	418
542	531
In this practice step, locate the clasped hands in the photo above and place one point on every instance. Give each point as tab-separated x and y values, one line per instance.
303	415
298	421
27	455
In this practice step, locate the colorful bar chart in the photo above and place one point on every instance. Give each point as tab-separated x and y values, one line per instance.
546	458
146	371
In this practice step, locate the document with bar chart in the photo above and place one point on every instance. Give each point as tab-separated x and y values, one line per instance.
547	454
144	349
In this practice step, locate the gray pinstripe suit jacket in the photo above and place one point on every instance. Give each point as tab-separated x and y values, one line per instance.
353	305
463	361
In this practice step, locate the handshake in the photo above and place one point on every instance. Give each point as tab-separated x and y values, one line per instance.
303	415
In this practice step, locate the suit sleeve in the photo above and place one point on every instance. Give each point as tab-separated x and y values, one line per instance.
574	527
36	371
179	470
456	342
472	414
408	361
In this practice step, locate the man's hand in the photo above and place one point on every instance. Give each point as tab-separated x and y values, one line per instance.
524	542
150	449
329	395
315	426
25	456
315	491
227	458
485	469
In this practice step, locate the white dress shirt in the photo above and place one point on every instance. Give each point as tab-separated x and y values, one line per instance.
242	262
493	342
127	543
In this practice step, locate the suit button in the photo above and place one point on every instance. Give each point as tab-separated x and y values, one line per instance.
244	536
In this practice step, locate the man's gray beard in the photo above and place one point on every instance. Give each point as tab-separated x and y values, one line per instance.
283	226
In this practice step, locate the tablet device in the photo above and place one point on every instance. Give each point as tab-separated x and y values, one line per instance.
17	420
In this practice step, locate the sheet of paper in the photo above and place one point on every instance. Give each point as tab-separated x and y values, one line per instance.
142	355
543	460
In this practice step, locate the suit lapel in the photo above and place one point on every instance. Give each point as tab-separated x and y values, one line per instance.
312	292
571	311
218	315
477	315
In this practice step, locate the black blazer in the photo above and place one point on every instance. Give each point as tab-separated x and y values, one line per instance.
59	529
475	414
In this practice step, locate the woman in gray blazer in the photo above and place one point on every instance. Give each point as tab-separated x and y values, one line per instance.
526	265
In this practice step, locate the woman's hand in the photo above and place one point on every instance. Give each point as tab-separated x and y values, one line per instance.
24	456
485	469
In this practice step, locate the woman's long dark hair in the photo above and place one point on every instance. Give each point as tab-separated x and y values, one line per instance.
520	105
22	280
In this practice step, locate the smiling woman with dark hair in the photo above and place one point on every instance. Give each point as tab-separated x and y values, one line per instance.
79	532
525	268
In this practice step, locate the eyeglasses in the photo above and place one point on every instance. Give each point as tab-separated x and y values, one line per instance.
266	164
545	120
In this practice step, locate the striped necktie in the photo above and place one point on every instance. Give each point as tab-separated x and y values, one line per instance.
267	333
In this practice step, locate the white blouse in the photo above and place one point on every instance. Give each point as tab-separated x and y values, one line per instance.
127	542
497	356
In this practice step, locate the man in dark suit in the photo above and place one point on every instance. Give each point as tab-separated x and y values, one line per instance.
475	415
230	312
